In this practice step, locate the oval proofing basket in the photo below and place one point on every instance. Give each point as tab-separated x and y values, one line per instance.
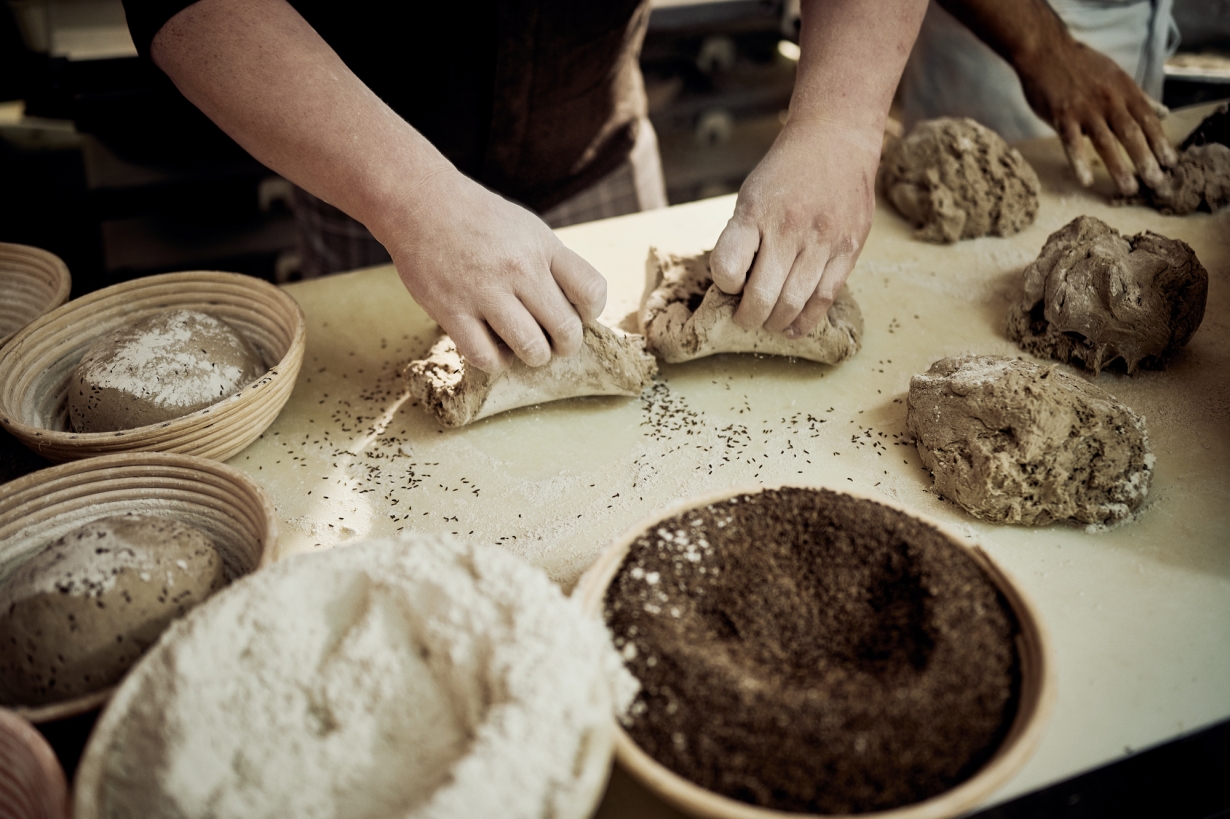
32	784
220	500
36	365
1036	693
33	282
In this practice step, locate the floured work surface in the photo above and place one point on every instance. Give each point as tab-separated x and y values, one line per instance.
1139	615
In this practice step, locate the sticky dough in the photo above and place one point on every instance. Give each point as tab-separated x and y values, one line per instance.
1094	296
610	362
955	179
1012	441
685	316
1200	181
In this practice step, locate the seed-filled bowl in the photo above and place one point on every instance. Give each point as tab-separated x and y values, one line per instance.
808	652
32	784
36	366
218	500
33	282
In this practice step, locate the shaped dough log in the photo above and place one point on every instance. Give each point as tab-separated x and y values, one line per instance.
610	362
685	316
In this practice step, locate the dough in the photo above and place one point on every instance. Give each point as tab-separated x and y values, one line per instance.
955	179
162	367
610	362
75	616
685	316
1093	296
1012	441
1201	181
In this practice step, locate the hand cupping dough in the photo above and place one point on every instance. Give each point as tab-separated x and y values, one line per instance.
1093	296
685	316
1011	441
1200	181
610	362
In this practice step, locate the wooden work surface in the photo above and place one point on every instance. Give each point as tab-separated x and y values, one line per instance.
1139	615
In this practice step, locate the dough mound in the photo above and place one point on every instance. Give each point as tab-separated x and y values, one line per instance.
1012	441
162	367
955	179
610	362
685	316
77	615
1201	181
1093	296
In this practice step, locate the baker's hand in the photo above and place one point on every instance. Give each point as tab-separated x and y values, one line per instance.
799	224
1082	92
492	274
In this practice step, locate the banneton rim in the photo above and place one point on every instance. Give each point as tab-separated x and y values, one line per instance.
795	673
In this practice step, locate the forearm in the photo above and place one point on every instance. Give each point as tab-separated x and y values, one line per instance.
853	53
1020	31
259	71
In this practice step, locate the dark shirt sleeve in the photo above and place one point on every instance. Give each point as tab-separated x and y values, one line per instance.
146	17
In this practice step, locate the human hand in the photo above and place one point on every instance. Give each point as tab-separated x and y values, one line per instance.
1082	92
492	274
799	224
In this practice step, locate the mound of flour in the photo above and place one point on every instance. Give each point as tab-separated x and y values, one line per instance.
411	678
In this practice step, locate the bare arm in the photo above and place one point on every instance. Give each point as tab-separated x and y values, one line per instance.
485	269
803	214
1077	90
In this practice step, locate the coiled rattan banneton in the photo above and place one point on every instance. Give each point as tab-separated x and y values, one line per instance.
218	499
36	364
32	784
32	282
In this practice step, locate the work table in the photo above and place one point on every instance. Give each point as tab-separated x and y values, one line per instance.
1138	615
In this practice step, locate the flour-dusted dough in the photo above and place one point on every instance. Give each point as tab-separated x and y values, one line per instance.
1093	296
162	367
1012	441
685	316
1200	181
75	616
610	362
955	179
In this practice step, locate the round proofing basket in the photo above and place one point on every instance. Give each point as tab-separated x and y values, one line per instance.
33	282
218	499
1036	694
32	784
36	365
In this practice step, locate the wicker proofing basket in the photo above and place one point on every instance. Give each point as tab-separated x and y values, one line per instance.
218	499
32	784
1036	695
36	364
32	282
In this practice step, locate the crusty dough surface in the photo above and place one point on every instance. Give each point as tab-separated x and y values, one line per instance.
955	179
1012	441
162	367
1200	181
75	616
1094	296
610	362
685	316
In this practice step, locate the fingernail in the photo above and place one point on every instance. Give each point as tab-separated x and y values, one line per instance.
1152	174
1084	176
791	332
1128	185
1169	155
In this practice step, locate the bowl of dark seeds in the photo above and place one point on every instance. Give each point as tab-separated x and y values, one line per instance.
810	652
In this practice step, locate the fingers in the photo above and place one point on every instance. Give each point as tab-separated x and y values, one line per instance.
799	288
764	285
733	255
512	322
580	283
1152	127
836	271
477	345
1078	154
553	313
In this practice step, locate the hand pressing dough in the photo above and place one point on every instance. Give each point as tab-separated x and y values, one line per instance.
610	362
77	615
685	316
1200	181
162	367
1093	296
955	179
1012	441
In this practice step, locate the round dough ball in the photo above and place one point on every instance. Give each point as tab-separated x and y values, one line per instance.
955	179
162	367
1012	441
1093	296
78	614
